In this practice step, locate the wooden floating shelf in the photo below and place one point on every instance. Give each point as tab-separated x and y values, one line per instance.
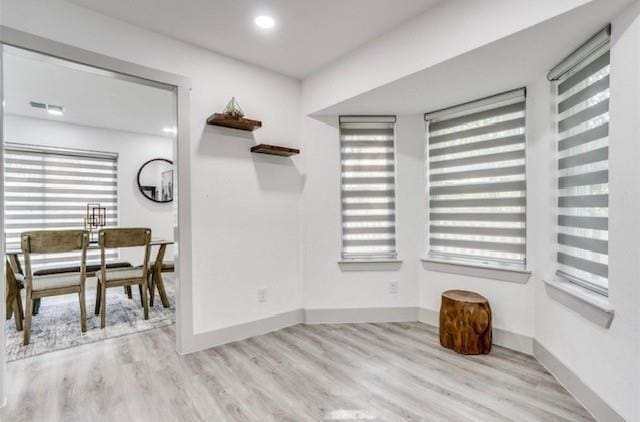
274	150
219	119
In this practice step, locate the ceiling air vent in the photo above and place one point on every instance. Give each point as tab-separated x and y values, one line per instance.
56	110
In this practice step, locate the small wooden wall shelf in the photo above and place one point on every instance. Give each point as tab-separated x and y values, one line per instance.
274	150
219	119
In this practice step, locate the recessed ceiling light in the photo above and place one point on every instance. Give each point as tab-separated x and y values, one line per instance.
265	22
172	130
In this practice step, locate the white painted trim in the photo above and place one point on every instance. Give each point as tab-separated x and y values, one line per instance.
245	330
109	65
370	265
360	315
3	360
512	275
594	404
201	341
594	307
514	341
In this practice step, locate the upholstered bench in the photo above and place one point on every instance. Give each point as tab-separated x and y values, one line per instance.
91	271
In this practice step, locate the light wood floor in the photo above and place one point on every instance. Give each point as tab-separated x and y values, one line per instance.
383	372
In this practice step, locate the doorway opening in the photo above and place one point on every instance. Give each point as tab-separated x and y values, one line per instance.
89	147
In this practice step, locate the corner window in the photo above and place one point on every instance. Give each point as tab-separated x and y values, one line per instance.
476	182
581	84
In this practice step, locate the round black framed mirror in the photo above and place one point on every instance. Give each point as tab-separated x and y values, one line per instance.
155	180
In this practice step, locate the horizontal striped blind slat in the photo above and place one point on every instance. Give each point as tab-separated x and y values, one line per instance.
476	116
478	159
482	130
476	178
478	188
481	231
584	201
472	174
477	216
593	156
479	202
493	246
590	135
582	99
472	146
591	223
367	154
585	115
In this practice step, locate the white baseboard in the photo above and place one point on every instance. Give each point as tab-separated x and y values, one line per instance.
361	315
238	332
518	342
504	338
510	340
591	401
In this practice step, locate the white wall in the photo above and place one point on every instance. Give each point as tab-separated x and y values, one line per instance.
133	150
245	207
446	30
607	360
326	284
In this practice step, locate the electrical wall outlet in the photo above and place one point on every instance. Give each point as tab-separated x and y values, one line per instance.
393	287
262	294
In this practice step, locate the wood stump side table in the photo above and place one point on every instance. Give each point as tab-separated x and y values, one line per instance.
465	322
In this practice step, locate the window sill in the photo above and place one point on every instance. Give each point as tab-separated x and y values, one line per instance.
594	307
370	264
513	275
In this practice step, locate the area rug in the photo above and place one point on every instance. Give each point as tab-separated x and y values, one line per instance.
57	325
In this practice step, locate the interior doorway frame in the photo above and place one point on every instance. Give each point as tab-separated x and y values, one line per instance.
124	70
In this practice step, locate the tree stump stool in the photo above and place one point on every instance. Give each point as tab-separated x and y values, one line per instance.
465	322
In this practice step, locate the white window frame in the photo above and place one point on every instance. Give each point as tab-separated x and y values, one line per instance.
572	63
490	268
370	257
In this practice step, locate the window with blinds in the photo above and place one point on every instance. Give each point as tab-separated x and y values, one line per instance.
367	154
476	181
49	188
582	117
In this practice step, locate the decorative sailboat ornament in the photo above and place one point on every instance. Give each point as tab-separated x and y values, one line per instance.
233	110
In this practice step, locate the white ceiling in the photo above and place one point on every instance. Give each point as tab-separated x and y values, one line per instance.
88	98
509	63
309	34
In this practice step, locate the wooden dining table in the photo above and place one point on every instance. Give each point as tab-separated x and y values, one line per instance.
13	261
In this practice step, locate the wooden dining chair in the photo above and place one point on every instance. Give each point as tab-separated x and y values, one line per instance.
54	242
156	268
122	238
13	300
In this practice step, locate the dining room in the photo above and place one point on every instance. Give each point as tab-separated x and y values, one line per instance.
89	212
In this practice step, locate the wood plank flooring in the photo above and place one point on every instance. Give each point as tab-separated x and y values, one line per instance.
336	372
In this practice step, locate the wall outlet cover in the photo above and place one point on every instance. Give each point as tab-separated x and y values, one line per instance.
393	287
262	294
